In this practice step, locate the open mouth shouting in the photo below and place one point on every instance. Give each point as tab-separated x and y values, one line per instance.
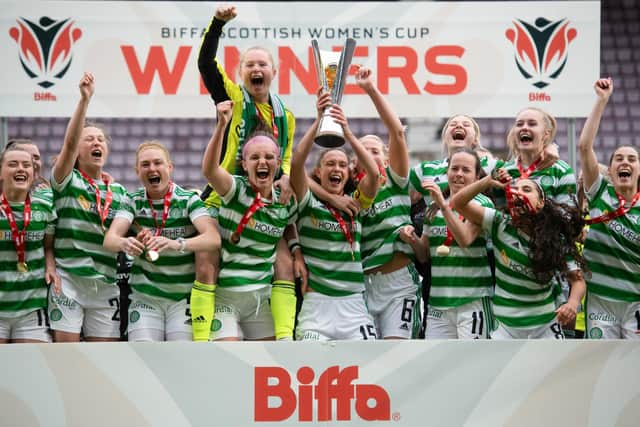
262	173
154	179
96	154
624	174
459	134
20	178
525	137
257	80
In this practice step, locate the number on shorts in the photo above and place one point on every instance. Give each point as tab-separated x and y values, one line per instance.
187	311
367	331
557	331
116	314
477	322
43	317
407	309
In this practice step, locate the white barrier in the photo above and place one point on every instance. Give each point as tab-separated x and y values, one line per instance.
415	383
487	59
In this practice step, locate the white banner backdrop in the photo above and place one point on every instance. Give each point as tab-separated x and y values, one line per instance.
432	59
414	383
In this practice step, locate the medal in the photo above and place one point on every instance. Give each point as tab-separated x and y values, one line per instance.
152	256
442	250
235	238
22	267
108	198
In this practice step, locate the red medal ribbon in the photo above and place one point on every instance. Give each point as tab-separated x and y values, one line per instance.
273	122
255	206
343	227
524	174
108	198
165	210
618	212
449	240
362	174
18	236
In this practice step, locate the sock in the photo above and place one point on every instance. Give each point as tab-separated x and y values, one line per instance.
283	308
203	301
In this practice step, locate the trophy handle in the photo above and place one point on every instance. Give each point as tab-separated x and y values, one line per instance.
343	70
317	59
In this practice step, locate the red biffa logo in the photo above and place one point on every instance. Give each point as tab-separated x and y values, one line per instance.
276	400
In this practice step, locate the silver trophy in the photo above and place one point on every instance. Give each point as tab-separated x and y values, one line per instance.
332	69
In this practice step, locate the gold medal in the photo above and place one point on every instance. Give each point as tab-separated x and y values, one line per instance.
235	238
22	267
152	256
442	250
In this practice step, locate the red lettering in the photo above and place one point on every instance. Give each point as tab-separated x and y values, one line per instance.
332	385
288	62
404	73
282	390
350	88
156	62
458	72
231	61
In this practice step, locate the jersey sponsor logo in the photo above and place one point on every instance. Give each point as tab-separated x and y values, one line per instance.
267	229
378	207
62	301
29	236
276	400
142	306
45	47
514	266
603	317
541	49
623	231
435	314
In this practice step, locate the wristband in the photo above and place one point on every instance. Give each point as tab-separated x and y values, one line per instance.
183	244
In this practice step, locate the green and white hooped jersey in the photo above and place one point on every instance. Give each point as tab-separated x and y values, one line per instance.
612	249
462	276
557	181
79	233
250	262
437	170
22	293
519	301
172	275
381	223
332	269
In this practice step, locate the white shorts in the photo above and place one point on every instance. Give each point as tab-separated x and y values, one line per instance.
31	326
393	302
470	321
612	319
551	330
158	319
86	305
245	315
325	318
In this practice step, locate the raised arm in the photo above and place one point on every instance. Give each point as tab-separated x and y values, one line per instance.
370	183
67	157
473	211
298	178
588	158
211	169
207	64
464	232
398	153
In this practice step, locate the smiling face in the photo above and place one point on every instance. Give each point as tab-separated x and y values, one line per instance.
92	149
624	168
35	155
333	171
154	168
531	132
257	73
460	132
16	171
260	160
463	170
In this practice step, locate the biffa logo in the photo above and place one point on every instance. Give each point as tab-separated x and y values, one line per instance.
541	48
274	383
45	47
